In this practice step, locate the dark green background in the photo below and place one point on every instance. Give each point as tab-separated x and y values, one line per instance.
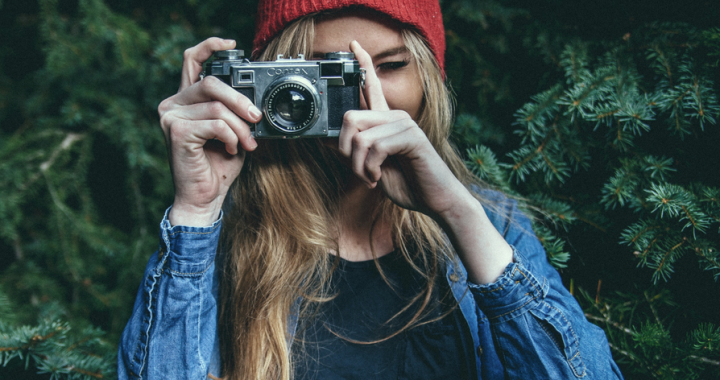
59	72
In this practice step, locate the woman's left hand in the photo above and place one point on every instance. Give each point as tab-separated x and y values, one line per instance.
387	148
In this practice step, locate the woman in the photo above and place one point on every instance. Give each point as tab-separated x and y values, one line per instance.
366	256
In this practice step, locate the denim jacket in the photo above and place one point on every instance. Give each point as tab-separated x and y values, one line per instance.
525	325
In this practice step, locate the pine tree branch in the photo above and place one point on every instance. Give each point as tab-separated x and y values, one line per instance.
681	97
632	333
630	356
607	114
652	309
704	360
587	92
699	100
692	220
141	218
665	64
714	262
70	138
17	245
623	352
66	144
678	126
550	164
639	234
530	157
33	341
612	323
647	249
86	372
667	254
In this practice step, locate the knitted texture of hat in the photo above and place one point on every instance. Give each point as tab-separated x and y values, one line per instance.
424	15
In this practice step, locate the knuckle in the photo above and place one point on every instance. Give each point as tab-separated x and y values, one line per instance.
209	83
164	107
165	123
177	130
218	125
378	147
359	141
216	107
188	54
350	117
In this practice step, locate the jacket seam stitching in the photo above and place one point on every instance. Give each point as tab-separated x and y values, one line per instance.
151	312
531	283
577	343
200	305
192	232
501	287
552	338
153	286
512	311
189	273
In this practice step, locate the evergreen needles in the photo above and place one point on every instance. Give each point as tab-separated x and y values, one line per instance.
609	153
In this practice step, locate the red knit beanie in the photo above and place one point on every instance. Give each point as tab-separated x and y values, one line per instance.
423	15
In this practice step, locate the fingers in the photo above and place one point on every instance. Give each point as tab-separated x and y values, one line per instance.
188	137
372	92
372	147
218	111
358	121
212	89
194	57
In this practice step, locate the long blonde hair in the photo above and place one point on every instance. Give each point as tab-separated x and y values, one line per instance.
282	228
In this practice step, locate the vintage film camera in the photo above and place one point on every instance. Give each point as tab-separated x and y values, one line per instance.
298	98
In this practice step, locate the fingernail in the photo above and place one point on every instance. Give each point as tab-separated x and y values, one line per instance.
254	112
253	143
229	41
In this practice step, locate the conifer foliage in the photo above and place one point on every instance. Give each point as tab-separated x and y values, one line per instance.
608	147
609	141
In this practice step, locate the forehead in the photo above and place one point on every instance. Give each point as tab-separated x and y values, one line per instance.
374	34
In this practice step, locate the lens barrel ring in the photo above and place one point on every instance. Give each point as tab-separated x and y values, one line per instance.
291	104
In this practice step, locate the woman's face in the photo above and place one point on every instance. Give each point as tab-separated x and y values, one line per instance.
395	67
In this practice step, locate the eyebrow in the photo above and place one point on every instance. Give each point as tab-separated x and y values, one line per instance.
384	54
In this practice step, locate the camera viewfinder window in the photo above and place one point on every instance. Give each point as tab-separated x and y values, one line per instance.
331	69
244	77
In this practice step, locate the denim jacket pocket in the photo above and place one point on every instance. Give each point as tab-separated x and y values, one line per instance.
558	329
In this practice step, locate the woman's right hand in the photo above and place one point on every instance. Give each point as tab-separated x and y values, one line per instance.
207	136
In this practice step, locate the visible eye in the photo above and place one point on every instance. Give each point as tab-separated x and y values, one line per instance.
393	65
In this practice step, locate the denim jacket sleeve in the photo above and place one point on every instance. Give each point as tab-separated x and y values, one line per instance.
172	331
538	328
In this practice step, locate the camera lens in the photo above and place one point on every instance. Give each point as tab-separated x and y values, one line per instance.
292	106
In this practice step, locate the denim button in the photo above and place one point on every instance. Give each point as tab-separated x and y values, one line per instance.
479	350
454	277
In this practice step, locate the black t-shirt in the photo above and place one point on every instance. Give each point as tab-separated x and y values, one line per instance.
361	311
